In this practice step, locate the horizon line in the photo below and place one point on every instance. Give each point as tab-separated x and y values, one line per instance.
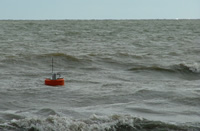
101	19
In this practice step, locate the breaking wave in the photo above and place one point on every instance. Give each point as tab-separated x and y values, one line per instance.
179	68
94	123
182	70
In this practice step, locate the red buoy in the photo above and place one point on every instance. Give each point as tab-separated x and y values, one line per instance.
57	82
54	80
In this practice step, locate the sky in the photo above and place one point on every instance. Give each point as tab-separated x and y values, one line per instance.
99	9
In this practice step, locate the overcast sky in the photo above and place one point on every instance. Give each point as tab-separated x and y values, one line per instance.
99	9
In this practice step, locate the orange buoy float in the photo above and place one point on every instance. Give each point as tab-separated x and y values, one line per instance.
54	80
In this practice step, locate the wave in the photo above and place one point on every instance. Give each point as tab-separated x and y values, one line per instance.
10	116
150	68
46	112
38	60
194	68
18	57
181	68
103	123
60	55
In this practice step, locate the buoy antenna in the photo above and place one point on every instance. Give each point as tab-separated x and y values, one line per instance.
52	65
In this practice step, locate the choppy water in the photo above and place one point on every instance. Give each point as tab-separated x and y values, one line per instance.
119	75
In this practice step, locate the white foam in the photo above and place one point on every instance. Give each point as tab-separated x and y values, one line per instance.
194	67
95	122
